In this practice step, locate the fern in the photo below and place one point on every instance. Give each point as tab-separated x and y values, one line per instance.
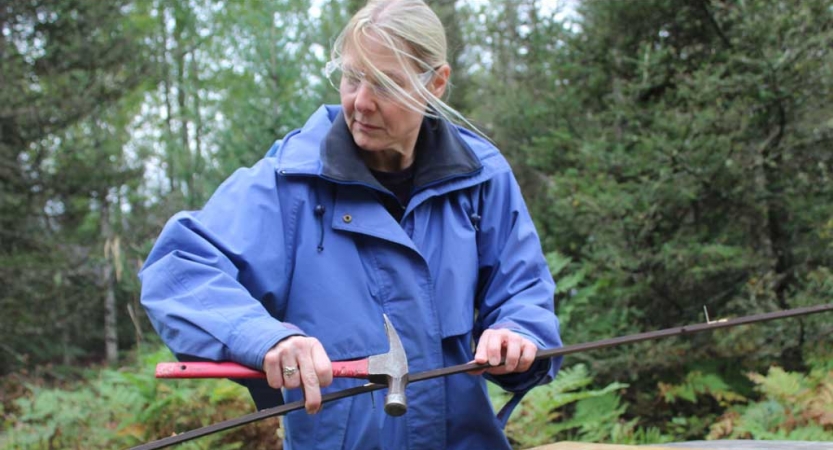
697	384
557	262
574	291
123	408
794	407
543	416
595	417
784	386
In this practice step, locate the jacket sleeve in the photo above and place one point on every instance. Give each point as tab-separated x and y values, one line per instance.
212	274
515	288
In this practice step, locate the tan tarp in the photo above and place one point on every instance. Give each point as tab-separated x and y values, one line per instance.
591	446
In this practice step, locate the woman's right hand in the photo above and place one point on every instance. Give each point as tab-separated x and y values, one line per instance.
314	369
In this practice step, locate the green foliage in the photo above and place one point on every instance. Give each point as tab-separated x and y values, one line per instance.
786	406
273	81
674	154
570	407
115	116
793	407
696	384
677	154
71	75
573	293
127	407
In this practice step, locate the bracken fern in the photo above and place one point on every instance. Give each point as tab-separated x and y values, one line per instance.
793	407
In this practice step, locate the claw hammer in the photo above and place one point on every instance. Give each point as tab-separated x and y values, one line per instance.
389	368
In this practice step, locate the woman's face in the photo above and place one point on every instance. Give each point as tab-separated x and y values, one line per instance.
379	123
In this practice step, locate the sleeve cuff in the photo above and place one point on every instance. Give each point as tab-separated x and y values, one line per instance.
250	345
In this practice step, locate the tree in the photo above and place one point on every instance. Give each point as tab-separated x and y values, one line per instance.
454	19
687	168
63	63
675	155
276	80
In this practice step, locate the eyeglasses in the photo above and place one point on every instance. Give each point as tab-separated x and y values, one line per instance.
348	80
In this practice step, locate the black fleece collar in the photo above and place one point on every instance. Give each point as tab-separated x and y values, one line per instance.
440	154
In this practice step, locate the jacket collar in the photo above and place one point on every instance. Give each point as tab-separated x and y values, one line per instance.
440	155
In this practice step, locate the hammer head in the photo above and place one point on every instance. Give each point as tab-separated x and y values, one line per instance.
391	368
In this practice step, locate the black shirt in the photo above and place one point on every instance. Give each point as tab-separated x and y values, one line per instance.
401	184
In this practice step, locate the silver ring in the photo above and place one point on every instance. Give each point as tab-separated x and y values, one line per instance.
289	371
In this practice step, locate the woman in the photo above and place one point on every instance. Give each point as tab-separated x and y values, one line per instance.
379	206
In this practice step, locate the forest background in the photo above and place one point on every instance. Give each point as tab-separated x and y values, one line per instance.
675	154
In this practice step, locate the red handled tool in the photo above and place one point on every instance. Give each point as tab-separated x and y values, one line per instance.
389	368
341	369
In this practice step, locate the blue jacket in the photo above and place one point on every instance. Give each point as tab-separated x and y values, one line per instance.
301	244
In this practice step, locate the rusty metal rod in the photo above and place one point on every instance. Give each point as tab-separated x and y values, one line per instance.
634	338
445	371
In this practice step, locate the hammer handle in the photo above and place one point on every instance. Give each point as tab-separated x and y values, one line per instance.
341	369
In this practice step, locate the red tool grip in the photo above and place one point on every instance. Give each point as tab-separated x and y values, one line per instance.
350	369
341	369
206	370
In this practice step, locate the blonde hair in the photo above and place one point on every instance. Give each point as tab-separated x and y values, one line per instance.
414	33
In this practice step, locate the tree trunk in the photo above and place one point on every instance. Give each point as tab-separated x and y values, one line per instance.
111	338
62	321
180	51
777	220
166	93
197	166
447	12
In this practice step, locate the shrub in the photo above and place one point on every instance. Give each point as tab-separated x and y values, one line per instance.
129	406
793	406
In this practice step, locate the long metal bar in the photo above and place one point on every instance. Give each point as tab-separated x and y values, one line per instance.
634	338
445	371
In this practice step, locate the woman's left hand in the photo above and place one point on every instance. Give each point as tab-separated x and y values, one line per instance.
499	345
